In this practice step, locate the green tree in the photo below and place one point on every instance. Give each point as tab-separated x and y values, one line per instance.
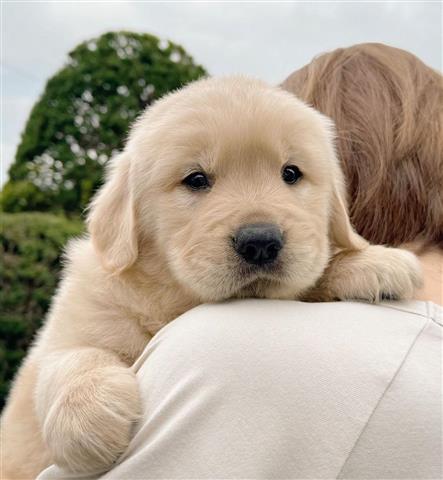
84	114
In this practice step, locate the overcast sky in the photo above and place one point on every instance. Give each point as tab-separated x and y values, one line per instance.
265	39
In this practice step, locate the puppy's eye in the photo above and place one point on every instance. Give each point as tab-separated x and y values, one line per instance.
291	174
196	181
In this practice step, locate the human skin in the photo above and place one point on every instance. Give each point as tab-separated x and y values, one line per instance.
432	266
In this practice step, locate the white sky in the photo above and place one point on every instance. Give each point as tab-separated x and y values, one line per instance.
265	39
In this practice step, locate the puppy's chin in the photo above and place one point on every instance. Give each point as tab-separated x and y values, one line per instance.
260	288
218	285
283	288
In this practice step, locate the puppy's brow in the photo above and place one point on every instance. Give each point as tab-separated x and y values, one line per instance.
196	167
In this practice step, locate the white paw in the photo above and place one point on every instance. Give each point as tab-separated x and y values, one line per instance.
90	424
375	273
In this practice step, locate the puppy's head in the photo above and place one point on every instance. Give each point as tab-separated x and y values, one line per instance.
232	186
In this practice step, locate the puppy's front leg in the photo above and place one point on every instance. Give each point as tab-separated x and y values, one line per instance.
87	403
372	274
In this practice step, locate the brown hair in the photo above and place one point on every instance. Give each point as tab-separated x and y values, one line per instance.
388	110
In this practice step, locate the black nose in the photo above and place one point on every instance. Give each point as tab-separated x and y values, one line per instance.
258	243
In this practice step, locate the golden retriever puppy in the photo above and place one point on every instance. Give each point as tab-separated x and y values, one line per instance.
226	188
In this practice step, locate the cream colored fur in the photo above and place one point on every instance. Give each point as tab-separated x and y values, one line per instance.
156	249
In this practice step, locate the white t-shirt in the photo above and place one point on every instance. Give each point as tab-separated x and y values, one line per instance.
270	389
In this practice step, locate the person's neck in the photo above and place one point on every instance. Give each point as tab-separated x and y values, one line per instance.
432	264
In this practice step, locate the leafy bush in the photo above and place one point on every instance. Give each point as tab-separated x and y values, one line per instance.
24	196
84	114
31	245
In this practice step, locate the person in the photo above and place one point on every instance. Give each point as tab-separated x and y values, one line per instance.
280	389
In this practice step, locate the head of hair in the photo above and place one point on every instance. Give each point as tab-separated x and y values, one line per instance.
388	109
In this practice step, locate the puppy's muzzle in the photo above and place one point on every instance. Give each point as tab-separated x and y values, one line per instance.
258	243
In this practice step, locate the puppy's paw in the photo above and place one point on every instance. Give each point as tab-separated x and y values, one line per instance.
372	274
90	424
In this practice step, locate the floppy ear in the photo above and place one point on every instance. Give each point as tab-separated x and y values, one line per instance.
342	234
111	220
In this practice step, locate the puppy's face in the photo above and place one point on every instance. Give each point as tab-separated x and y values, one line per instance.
232	182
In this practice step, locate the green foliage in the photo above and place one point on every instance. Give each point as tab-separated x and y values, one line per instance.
24	195
31	246
84	114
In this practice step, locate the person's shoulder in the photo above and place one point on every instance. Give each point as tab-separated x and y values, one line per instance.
427	309
322	315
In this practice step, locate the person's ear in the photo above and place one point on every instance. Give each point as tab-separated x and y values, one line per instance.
111	219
